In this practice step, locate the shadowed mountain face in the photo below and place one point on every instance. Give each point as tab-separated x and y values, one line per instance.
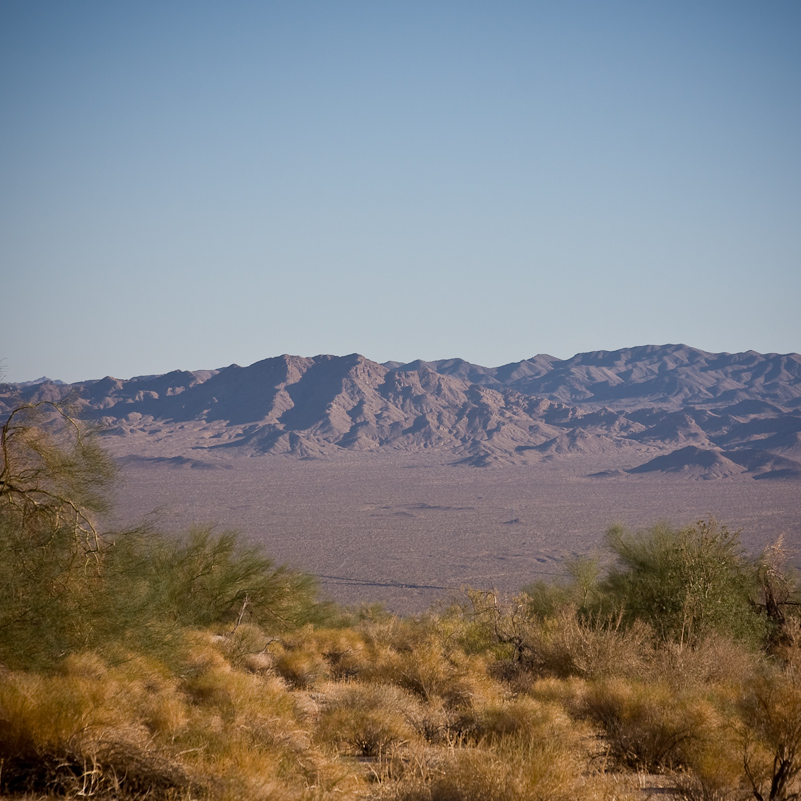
667	409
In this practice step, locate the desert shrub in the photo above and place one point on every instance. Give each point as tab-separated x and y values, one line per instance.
716	662
514	768
52	471
556	691
422	655
345	651
498	718
53	479
300	667
770	711
566	645
65	587
649	726
686	583
248	734
311	654
140	728
246	646
507	622
714	769
205	578
369	719
458	626
77	733
578	587
44	595
434	673
780	594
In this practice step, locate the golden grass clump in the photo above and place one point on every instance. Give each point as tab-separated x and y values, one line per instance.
431	671
78	733
564	645
249	734
345	650
302	668
369	719
309	656
516	717
650	726
515	768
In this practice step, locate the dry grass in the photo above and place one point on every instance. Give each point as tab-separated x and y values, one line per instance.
517	767
404	710
369	719
650	726
566	646
79	732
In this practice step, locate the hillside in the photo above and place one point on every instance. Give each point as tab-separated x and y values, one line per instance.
639	409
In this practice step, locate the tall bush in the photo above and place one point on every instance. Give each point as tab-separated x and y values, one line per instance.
685	583
53	482
65	586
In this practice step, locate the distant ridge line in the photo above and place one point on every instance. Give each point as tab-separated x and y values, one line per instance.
624	409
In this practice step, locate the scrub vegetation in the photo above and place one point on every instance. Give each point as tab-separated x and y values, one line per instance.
135	665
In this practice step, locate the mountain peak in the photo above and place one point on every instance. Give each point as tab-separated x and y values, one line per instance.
667	408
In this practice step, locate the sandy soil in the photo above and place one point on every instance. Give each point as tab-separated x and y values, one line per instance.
405	530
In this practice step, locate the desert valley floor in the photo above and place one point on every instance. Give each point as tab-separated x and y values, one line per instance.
406	529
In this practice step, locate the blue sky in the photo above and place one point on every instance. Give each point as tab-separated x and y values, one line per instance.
192	184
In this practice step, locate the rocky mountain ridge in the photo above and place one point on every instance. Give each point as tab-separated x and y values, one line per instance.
669	408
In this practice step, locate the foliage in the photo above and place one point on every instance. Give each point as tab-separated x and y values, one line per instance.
52	482
579	587
686	583
201	579
683	583
53	471
65	587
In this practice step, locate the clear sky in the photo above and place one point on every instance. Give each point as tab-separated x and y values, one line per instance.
188	184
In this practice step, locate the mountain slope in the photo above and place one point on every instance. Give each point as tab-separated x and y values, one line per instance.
670	376
669	408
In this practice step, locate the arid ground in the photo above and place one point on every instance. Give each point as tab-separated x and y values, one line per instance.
406	529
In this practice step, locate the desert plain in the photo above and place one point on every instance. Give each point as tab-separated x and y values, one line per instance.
409	530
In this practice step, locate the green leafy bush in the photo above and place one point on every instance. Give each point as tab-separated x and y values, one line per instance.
685	584
65	586
53	479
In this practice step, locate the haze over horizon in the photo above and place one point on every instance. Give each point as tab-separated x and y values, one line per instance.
188	185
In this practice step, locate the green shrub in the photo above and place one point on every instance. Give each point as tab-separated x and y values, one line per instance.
65	587
205	578
579	588
53	479
685	584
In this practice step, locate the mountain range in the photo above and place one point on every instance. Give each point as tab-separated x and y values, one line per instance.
665	409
